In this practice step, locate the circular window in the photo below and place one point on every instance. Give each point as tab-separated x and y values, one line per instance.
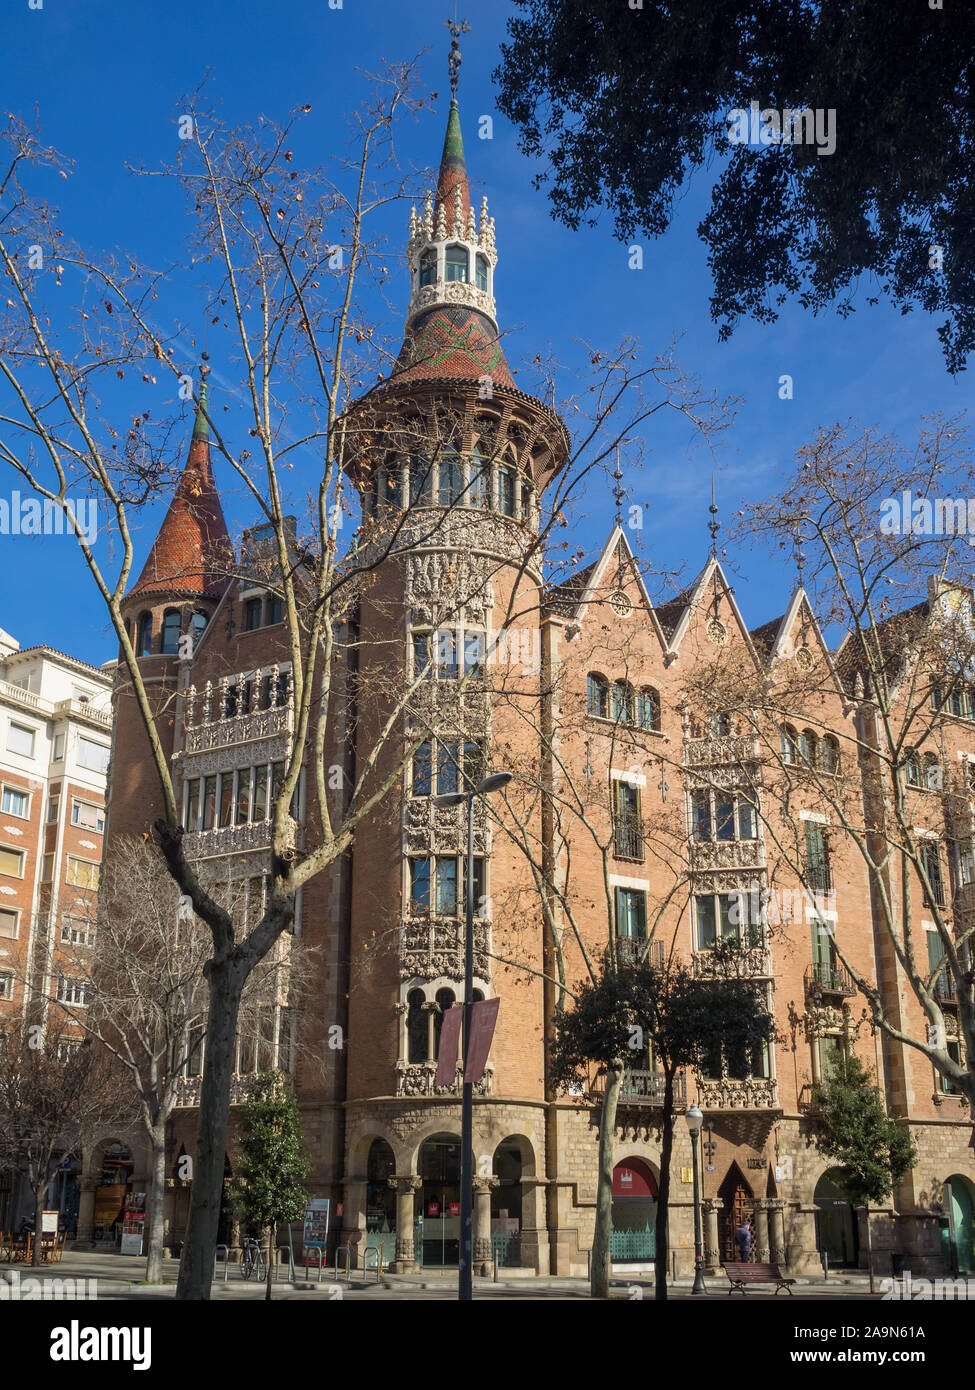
717	632
621	604
804	658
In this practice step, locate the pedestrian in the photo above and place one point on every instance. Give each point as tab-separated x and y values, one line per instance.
743	1242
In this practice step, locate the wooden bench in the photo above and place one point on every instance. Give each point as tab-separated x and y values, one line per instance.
741	1274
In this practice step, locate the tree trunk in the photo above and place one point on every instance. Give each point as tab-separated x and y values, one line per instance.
196	1265
272	1231
157	1199
39	1196
599	1273
663	1196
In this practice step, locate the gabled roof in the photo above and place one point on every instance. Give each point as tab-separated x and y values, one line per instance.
192	551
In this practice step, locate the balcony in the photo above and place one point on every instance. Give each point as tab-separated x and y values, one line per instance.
644	1088
944	989
237	839
634	951
733	963
418	1079
187	1090
18	696
434	946
754	1093
825	978
732	748
628	839
239	728
81	709
708	856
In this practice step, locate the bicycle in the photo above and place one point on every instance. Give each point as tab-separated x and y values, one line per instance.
252	1261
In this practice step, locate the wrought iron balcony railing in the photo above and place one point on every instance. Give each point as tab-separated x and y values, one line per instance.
627	839
829	979
642	1088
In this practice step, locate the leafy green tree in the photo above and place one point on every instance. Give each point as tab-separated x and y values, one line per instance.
684	1020
623	101
273	1169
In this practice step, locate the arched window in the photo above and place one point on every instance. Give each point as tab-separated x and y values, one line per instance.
143	641
416	1027
479	493
391	487
445	1001
649	710
789	745
808	747
622	702
597	696
428	268
933	779
457	263
720	726
172	625
481	271
198	626
450	478
829	754
912	767
506	491
421	480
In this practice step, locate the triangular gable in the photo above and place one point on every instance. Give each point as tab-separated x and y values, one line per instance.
597	583
705	581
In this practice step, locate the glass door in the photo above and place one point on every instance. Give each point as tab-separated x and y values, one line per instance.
439	1215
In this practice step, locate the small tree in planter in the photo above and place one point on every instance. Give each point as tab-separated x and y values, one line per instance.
273	1169
873	1152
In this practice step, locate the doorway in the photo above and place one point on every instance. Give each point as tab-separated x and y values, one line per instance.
837	1231
438	1237
737	1206
961	1224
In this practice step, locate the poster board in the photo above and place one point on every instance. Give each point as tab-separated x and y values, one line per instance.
49	1223
314	1235
133	1224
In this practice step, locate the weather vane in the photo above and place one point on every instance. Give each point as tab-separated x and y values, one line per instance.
454	61
619	492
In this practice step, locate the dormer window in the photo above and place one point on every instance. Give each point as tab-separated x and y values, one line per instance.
428	268
481	272
458	261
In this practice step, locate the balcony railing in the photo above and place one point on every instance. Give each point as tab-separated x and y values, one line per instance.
627	839
187	1089
642	1088
734	963
18	695
828	979
729	748
236	839
419	1078
634	951
944	988
754	1093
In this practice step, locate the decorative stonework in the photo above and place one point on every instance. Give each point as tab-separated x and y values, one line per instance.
755	1093
430	829
746	963
717	632
727	854
452	292
433	947
228	757
440	585
187	1090
804	659
237	839
732	748
418	1078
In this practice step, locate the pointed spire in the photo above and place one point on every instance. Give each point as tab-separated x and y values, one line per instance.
452	180
192	552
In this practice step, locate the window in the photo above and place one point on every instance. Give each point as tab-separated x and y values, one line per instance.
472	765
226	799
818	878
481	272
526	501
649	709
478	494
422	665
447	654
53	805
720	726
252	614
481	907
275	609
933	780
718	912
143	641
445	1001
631	913
931	860
788	744
6	985
417	1037
93	755
259	803
422	770
912	769
447	770
194	1050
724	816
597	696
192	816
244	794
420	886
15	802
450	477
428	268
621	703
826	968
809	748
966	862
421	481
456	263
71	992
391	488
82	873
829	754
87	816
832	1056
506	491
47	868
171	629
11	862
58	747
198	626
474	643
75	931
447	887
701	815
20	739
209	802
627	824
9	920
948	1086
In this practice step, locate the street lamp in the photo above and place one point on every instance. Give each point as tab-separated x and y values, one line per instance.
694	1119
465	1291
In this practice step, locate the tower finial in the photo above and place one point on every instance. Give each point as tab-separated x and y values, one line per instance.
619	492
454	60
201	425
799	552
714	525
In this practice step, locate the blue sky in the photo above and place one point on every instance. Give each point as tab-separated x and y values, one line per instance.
104	80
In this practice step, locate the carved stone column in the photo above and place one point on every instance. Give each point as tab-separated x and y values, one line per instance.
761	1230
776	1217
86	1210
482	1224
401	1011
404	1187
710	1206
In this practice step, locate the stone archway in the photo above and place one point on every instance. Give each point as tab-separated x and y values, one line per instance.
737	1205
633	1237
380	1201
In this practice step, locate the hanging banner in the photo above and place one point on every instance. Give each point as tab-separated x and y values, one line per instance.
484	1017
449	1042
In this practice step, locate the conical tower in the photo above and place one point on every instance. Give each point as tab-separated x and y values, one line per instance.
166	612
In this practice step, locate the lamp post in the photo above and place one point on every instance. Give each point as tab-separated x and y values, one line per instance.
694	1121
465	1281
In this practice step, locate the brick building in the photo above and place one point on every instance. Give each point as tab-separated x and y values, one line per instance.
585	699
55	729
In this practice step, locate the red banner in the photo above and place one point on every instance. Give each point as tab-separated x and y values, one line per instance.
449	1042
484	1017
